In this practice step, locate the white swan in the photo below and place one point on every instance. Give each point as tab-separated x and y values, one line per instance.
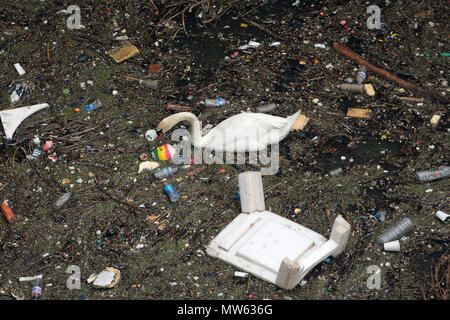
244	132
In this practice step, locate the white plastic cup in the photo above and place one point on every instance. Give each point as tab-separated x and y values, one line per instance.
151	135
441	215
392	246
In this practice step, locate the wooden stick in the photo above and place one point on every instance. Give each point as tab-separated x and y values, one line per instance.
260	27
131	78
411	99
154	6
353	56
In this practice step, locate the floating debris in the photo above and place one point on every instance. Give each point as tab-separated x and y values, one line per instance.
300	123
431	175
359	113
19	69
392	246
108	278
396	232
12	118
148	165
62	200
36	153
435	120
123	53
441	215
8	213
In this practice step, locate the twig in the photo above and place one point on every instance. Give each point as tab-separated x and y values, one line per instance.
114	198
76	133
440	278
209	85
48	178
156	8
353	56
264	29
411	99
423	293
216	18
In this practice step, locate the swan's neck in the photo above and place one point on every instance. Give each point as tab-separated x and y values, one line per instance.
196	135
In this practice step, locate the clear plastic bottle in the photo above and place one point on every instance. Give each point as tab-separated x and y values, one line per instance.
62	200
336	172
361	75
153	84
93	106
430	175
267	107
215	102
166	172
37	288
396	232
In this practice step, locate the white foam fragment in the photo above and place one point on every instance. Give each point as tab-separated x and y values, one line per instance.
19	69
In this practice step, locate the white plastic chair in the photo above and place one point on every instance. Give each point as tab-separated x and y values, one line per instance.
269	246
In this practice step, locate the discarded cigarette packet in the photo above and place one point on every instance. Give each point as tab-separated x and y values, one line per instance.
300	123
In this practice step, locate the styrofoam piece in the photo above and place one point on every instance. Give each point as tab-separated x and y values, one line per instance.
240	274
441	215
251	44
22	279
251	191
12	118
274	248
392	246
151	135
148	165
19	69
108	278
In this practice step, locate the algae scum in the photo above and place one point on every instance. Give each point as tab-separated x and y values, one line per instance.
121	219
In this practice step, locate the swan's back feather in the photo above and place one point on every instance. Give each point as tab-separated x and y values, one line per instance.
249	131
253	120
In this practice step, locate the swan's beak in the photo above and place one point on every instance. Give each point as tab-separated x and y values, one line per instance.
160	134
